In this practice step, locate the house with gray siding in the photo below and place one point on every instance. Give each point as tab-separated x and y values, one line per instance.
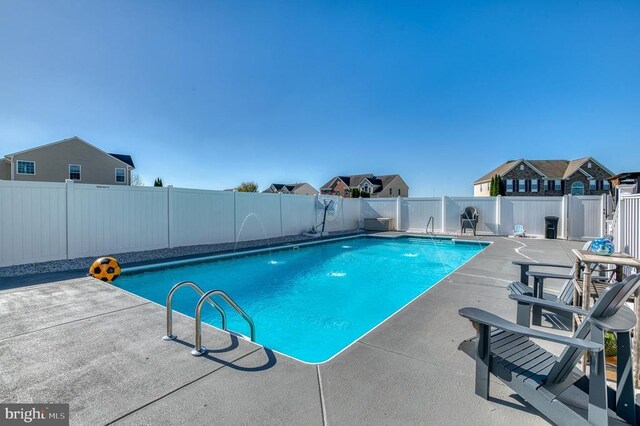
584	176
72	158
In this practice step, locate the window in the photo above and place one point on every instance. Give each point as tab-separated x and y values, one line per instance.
522	185
593	184
521	166
589	165
606	185
557	185
577	188
390	191
26	167
119	175
399	194
534	185
74	171
509	185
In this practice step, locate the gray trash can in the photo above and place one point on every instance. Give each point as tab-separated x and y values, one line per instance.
551	227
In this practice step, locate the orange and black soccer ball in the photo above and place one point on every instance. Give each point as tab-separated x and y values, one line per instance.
106	269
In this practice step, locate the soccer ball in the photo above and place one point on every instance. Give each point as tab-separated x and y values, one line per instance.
106	269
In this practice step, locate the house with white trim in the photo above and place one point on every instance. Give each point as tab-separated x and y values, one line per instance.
584	176
72	158
374	186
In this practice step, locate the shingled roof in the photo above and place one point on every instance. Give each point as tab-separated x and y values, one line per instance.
550	169
354	181
289	186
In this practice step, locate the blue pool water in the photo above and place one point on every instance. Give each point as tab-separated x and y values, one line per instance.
313	302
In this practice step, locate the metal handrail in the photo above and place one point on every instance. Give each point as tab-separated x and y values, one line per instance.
170	335
432	222
199	349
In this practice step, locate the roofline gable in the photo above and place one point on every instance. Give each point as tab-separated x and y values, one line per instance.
600	165
535	169
67	140
580	170
328	185
397	177
362	181
515	163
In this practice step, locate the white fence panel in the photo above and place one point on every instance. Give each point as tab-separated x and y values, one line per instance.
586	214
417	211
350	214
257	216
33	224
335	220
627	235
50	221
298	213
200	217
530	212
114	219
379	207
486	207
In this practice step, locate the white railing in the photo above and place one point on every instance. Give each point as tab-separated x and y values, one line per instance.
627	225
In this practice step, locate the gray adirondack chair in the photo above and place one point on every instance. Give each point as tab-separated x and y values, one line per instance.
565	295
505	350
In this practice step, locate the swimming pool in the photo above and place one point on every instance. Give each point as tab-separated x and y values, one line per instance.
311	303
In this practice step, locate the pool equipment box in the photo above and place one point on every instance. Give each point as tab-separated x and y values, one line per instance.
378	224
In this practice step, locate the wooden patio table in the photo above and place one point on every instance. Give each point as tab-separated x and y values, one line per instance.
589	260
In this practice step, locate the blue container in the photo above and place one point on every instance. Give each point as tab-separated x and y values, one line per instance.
603	246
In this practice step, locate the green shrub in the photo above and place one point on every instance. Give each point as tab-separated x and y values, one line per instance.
610	344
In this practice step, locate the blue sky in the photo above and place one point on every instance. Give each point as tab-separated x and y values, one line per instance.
207	94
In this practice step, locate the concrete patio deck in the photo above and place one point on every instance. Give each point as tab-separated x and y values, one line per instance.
89	344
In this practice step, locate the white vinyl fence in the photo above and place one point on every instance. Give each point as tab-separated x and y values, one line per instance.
42	221
579	218
627	227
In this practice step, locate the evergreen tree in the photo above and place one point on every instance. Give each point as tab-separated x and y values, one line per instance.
492	188
158	182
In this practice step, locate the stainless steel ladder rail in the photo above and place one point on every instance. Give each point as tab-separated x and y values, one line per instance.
170	335
432	222
199	349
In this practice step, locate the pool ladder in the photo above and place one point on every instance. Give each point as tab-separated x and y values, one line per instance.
432	222
204	297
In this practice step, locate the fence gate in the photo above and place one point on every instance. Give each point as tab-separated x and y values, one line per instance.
586	216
